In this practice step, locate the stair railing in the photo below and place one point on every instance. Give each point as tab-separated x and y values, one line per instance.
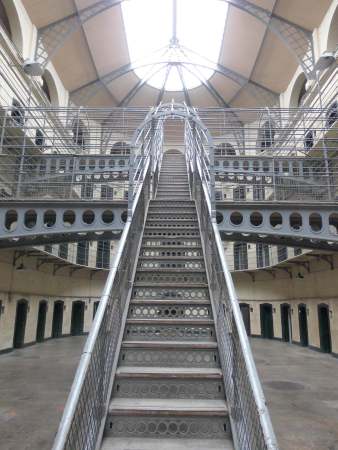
85	412
249	415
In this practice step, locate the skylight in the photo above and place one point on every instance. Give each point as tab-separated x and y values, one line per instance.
174	57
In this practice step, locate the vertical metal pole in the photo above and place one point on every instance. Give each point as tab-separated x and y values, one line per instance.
212	182
131	182
325	152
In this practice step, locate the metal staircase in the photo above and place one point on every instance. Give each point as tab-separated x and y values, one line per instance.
168	383
168	342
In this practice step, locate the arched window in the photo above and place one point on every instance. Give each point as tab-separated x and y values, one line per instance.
45	88
80	134
120	148
39	138
332	114
225	149
18	113
240	256
262	255
302	93
298	91
267	135
103	254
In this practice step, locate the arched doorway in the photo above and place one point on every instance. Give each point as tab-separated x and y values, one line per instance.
324	328
57	319
266	321
20	323
41	325
245	310
285	314
303	326
78	309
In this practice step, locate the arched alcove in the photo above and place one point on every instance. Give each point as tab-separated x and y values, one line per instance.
298	91
49	88
12	17
4	20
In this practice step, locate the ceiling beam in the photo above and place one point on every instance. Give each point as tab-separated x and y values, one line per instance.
82	94
131	94
185	90
299	40
161	93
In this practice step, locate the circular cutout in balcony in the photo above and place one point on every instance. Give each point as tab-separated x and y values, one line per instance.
276	220
296	221
49	218
316	222
69	218
88	217
236	218
107	216
256	219
11	220
30	219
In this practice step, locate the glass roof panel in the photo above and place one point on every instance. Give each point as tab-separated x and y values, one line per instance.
150	32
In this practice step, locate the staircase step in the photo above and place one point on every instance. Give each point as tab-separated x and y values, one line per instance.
134	382
175	407
166	444
175	356
169	312
170	302
168	418
172	345
160	372
166	330
171	292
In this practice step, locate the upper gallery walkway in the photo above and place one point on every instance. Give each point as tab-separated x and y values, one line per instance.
68	174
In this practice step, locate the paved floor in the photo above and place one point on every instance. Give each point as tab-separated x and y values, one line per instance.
301	387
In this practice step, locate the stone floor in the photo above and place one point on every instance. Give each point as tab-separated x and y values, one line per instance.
301	387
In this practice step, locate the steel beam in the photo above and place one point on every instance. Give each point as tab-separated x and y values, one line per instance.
271	223
41	222
84	93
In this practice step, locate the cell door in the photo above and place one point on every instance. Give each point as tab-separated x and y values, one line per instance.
324	328
78	309
266	321
20	323
57	319
245	310
303	326
285	311
41	325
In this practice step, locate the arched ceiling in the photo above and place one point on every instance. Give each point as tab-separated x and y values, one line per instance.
249	49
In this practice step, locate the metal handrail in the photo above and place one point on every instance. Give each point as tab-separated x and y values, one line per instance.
251	425
94	378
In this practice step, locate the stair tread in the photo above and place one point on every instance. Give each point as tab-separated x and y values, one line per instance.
174	406
170	344
164	301
171	258
110	443
171	285
194	322
169	372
